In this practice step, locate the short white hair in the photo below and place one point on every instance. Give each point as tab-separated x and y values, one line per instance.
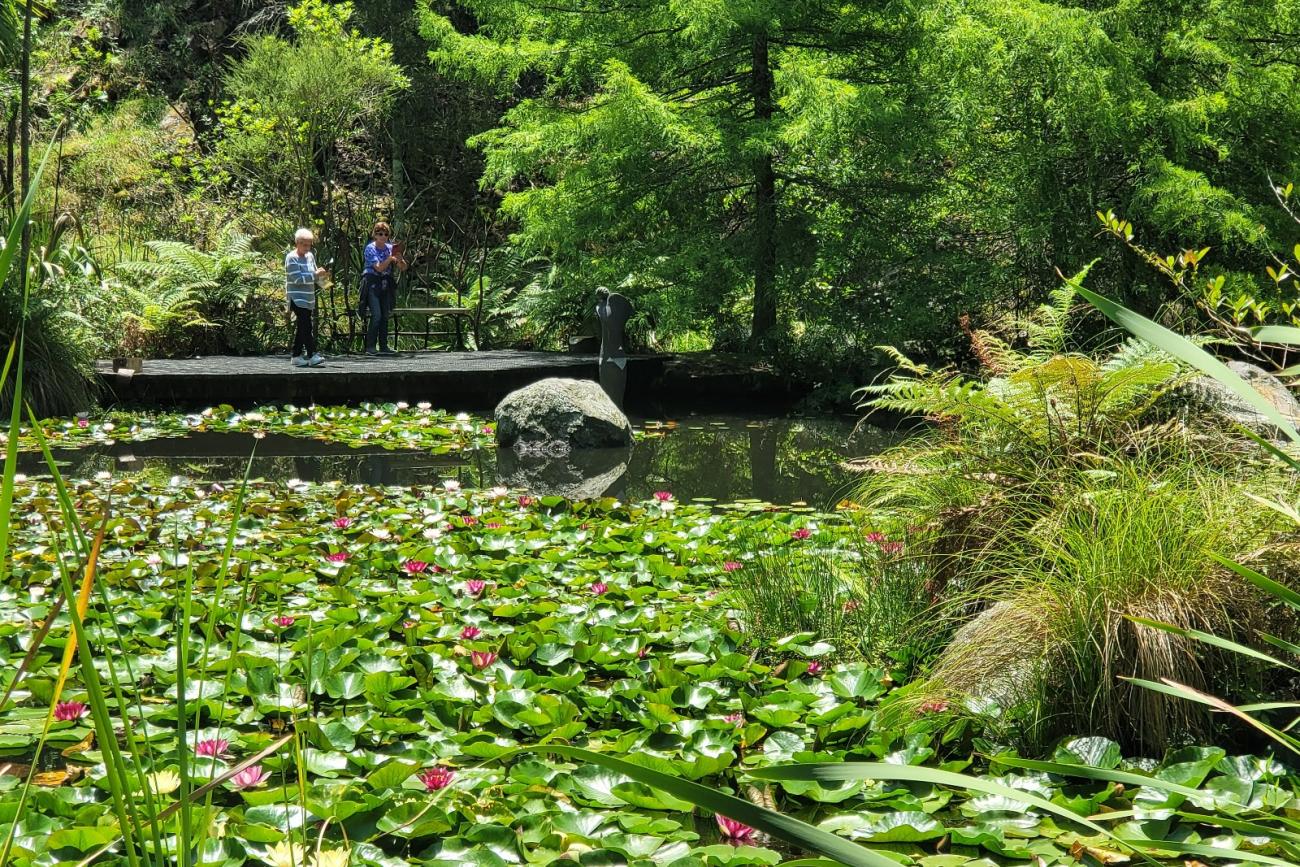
303	235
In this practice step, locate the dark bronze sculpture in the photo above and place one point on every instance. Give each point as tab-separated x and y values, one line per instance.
613	310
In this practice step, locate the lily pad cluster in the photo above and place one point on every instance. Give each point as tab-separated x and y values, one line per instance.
390	426
357	681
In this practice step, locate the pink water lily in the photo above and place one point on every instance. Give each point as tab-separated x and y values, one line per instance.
283	620
469	633
643	653
338	557
663	496
482	658
250	777
526	501
437	778
83	422
737	719
438	570
814	668
66	711
415	567
801	533
487	429
474	586
600	588
493	525
875	537
215	748
342	523
735	833
731	566
469	520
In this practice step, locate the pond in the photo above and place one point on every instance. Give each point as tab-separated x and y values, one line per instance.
718	457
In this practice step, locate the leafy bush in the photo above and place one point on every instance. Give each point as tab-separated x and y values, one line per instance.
59	377
187	301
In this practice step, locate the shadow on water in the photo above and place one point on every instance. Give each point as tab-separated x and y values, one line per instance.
718	457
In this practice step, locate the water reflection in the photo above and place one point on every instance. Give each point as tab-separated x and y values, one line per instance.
726	458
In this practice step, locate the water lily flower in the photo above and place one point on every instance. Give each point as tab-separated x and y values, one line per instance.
331	858
643	653
415	567
250	777
876	537
433	534
438	570
410	624
153	560
424	406
164	782
493	525
451	485
600	588
469	633
285	854
487	429
342	523
498	492
283	620
482	658
737	719
381	533
215	748
401	404
814	668
437	778
663	496
474	586
731	566
468	520
735	833
83	422
934	706
338	557
462	416
65	711
801	533
525	501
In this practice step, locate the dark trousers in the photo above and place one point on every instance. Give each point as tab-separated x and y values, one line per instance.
379	295
304	336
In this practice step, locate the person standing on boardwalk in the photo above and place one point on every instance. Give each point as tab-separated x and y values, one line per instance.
379	286
300	279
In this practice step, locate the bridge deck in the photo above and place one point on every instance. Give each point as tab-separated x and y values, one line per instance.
452	380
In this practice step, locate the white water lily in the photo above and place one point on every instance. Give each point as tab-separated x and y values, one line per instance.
498	492
424	405
381	533
462	416
401	404
433	534
285	854
451	485
331	858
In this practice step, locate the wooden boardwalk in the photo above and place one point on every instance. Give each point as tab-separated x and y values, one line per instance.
452	380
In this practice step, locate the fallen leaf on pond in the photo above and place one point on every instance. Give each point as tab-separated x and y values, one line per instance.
54	779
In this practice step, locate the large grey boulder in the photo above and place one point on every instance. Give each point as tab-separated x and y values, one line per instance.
1210	395
572	411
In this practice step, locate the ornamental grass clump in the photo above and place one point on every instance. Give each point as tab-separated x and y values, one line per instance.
1055	497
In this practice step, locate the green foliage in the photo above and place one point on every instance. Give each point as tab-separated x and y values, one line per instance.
186	300
293	104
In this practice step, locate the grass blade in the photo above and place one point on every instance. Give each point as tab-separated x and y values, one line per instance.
1090	773
1213	640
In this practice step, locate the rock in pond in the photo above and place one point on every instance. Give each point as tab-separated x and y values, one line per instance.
1208	393
572	411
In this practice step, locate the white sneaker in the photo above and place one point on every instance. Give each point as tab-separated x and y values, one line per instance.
316	360
299	361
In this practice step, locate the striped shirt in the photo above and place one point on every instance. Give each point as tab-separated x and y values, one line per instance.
300	279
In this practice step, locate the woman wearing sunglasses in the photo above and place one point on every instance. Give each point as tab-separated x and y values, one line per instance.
379	287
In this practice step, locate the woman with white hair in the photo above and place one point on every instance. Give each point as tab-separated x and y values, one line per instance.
301	277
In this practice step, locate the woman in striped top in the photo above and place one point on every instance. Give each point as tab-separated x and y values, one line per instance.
300	278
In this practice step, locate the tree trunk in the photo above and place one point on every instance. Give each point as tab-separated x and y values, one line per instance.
761	85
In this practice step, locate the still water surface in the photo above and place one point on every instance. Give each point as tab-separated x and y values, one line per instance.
719	457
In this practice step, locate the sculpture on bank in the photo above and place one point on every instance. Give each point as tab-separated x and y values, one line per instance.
614	311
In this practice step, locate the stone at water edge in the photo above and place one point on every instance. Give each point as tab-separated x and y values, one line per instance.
1208	393
572	411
